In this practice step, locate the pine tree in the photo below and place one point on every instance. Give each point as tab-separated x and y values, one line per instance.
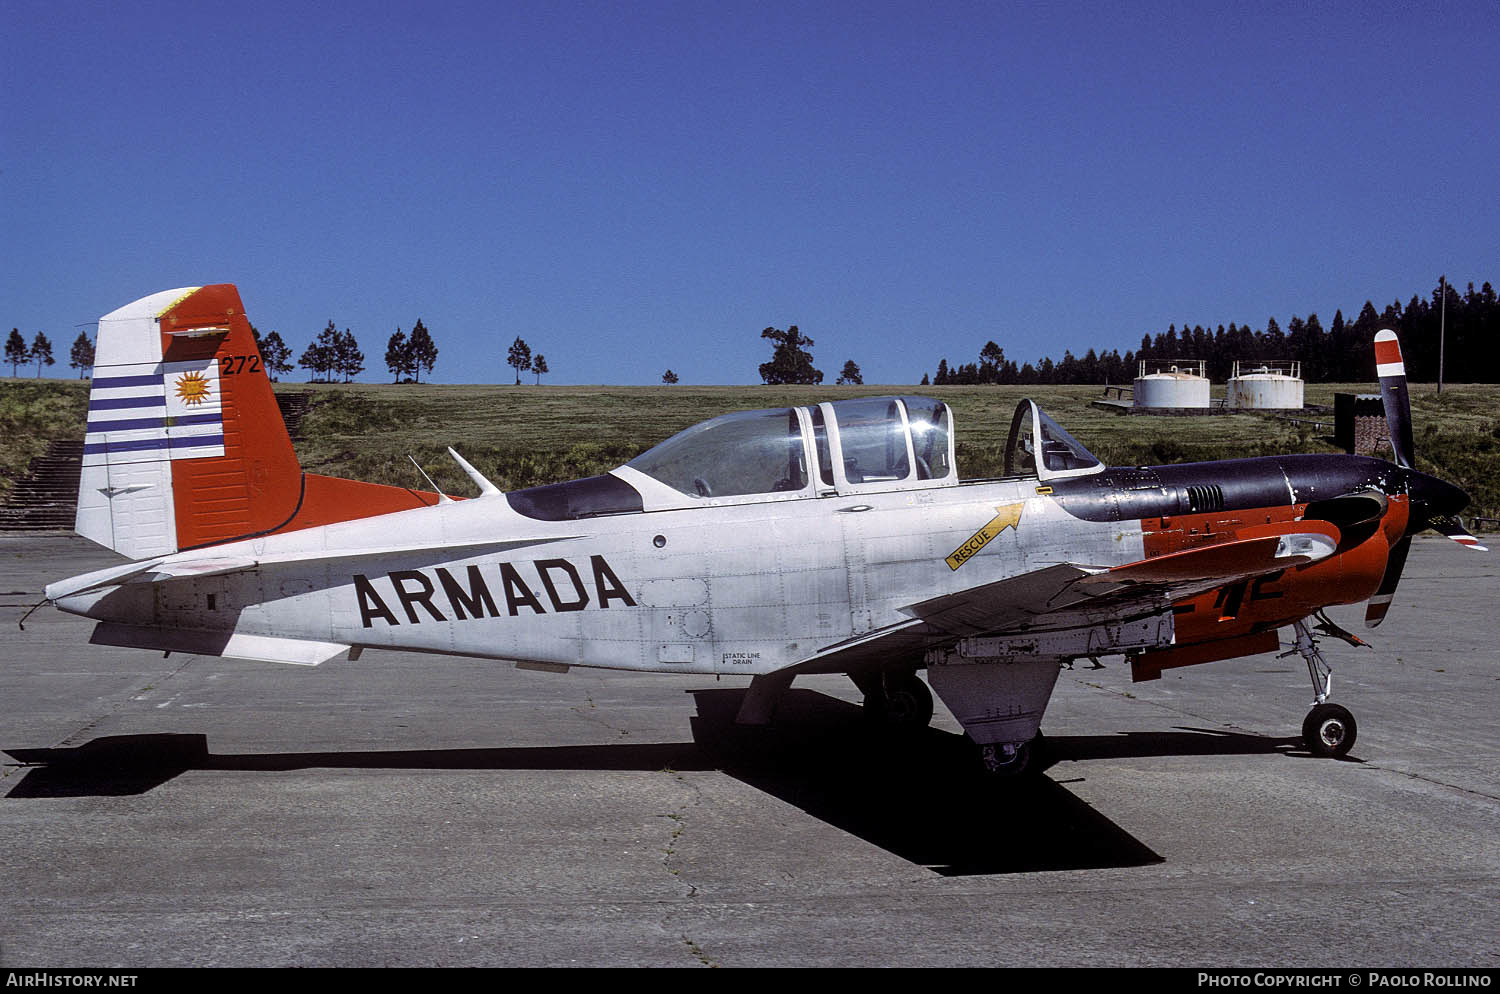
41	351
791	362
81	357
669	377
322	355
276	355
398	357
519	356
991	361
347	358
539	366
851	374
16	351
424	350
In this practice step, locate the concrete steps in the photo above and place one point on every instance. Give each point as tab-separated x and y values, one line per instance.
46	498
293	409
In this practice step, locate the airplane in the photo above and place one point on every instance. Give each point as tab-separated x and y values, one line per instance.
826	538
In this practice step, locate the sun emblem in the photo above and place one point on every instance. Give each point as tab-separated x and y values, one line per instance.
192	388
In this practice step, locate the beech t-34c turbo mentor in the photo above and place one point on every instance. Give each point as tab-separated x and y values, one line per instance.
831	538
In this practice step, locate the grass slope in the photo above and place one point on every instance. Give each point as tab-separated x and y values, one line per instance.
529	435
32	413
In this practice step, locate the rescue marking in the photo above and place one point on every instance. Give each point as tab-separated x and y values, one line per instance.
1009	517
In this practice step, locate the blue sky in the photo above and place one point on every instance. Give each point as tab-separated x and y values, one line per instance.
636	186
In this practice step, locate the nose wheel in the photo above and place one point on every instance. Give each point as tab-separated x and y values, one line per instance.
1329	729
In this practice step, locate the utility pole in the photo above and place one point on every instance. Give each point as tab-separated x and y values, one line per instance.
1442	328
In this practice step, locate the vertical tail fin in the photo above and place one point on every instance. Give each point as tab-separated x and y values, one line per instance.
185	445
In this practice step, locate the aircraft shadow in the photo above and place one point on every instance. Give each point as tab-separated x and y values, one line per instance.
919	797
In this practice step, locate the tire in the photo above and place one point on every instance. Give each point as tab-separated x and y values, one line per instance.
906	705
994	767
1329	730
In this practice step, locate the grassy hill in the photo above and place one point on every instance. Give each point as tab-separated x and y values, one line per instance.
527	435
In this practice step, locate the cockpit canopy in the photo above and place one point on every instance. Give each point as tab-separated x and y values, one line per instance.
1062	455
848	446
862	445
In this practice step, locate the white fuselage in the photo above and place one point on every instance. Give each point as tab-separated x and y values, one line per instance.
747	588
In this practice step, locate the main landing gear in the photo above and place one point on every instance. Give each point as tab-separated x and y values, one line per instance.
899	701
1008	761
1329	729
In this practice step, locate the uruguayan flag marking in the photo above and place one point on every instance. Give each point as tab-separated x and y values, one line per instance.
140	412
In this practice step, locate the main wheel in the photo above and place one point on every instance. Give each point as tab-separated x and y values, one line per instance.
906	704
1329	730
1002	765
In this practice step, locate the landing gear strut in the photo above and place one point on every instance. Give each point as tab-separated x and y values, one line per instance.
1328	729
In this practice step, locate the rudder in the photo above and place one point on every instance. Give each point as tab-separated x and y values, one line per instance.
185	445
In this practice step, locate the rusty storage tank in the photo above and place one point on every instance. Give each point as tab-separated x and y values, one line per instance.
1270	385
1172	383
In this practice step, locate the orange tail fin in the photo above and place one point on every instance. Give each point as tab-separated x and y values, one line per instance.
186	446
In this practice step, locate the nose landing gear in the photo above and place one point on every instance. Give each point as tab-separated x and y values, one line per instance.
1329	729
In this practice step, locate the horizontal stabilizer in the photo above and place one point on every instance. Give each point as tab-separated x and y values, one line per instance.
204	564
235	645
111	576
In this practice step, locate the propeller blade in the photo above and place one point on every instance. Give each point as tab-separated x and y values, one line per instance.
1392	372
1379	604
1451	526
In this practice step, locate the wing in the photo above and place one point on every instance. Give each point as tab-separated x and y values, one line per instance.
1068	597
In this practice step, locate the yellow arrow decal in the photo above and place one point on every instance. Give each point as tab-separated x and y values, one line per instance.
1009	517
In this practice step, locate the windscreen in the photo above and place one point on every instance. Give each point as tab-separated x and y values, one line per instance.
1061	451
751	452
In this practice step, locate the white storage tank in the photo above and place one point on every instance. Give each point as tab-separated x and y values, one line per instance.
1172	383
1269	385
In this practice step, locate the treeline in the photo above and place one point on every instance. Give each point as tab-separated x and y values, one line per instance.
336	354
1339	353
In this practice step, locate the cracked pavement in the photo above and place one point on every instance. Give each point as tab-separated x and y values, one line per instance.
422	810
